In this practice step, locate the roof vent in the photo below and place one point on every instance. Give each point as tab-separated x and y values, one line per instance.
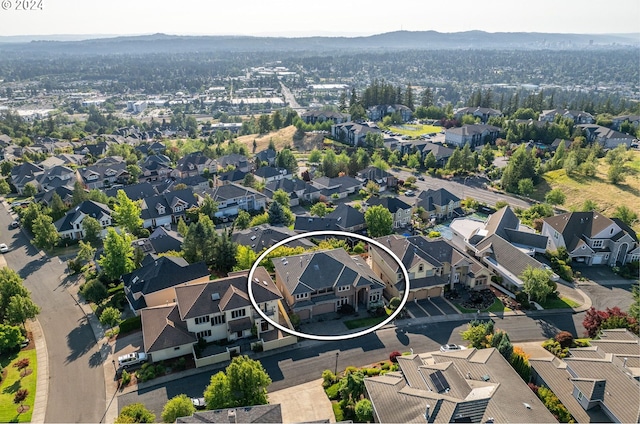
215	296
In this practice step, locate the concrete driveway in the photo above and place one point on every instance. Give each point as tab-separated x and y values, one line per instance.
601	275
304	403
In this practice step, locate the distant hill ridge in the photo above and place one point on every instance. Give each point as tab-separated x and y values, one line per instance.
398	40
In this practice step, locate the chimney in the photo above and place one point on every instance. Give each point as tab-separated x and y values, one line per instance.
624	363
232	416
426	412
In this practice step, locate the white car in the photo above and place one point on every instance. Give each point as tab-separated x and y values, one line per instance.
199	403
3	248
450	348
131	359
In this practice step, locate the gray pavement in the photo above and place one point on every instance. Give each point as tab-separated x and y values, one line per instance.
73	360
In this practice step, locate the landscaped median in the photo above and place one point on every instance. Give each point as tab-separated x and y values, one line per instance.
18	375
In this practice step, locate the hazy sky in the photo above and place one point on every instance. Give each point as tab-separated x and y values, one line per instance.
326	17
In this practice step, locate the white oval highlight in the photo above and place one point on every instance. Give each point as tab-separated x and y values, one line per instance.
368	240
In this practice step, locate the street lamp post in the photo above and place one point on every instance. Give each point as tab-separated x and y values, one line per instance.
113	361
337	355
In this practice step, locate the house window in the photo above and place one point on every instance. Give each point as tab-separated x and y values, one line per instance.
555	235
343	288
580	395
421	268
597	244
217	320
178	209
264	326
342	301
302	296
201	320
203	334
238	313
374	297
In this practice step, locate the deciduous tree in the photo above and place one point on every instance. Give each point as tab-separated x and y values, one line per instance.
117	255
92	229
135	413
20	309
126	212
379	221
536	283
45	235
177	406
110	317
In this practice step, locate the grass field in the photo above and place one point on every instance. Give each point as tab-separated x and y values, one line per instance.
415	130
577	188
559	303
12	383
364	322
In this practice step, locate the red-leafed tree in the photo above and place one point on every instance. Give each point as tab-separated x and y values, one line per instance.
595	321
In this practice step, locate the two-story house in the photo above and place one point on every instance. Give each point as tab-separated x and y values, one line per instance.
166	208
71	225
154	283
377	112
316	283
232	198
267	156
193	164
400	211
240	162
25	173
352	133
104	173
267	174
577	116
295	188
592	238
606	137
431	264
439	204
379	176
473	134
318	115
217	310
264	236
484	113
339	186
57	176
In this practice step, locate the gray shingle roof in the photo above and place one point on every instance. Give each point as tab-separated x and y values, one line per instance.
88	207
392	204
251	414
264	236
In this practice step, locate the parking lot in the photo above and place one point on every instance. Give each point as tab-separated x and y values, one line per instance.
435	306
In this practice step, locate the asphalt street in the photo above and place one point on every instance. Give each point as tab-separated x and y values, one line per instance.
76	378
304	364
470	187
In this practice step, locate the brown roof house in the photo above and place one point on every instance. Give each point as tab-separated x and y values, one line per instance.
592	238
217	310
597	383
320	282
465	386
431	264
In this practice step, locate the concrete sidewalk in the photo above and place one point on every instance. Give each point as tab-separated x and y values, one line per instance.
42	381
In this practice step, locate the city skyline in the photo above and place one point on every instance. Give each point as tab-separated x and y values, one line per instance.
286	19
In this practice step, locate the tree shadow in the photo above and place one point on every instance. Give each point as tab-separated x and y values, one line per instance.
32	267
69	280
13	388
401	335
80	340
98	358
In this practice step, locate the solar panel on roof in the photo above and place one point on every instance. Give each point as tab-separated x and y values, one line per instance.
439	381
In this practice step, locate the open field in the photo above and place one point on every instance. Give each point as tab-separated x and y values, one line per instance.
282	138
607	196
415	130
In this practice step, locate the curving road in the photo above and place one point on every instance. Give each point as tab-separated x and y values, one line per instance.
76	376
463	188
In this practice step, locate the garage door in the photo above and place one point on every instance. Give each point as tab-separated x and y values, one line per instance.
597	260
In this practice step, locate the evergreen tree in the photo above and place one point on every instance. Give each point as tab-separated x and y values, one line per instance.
521	165
79	194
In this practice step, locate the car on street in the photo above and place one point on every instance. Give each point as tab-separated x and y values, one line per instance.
421	178
409	193
450	348
199	403
3	248
15	224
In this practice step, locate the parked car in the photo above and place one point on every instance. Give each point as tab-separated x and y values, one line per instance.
132	359
3	248
24	343
199	403
409	193
15	224
450	348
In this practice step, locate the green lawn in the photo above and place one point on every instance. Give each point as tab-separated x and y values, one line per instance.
364	322
496	306
12	383
415	130
559	303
